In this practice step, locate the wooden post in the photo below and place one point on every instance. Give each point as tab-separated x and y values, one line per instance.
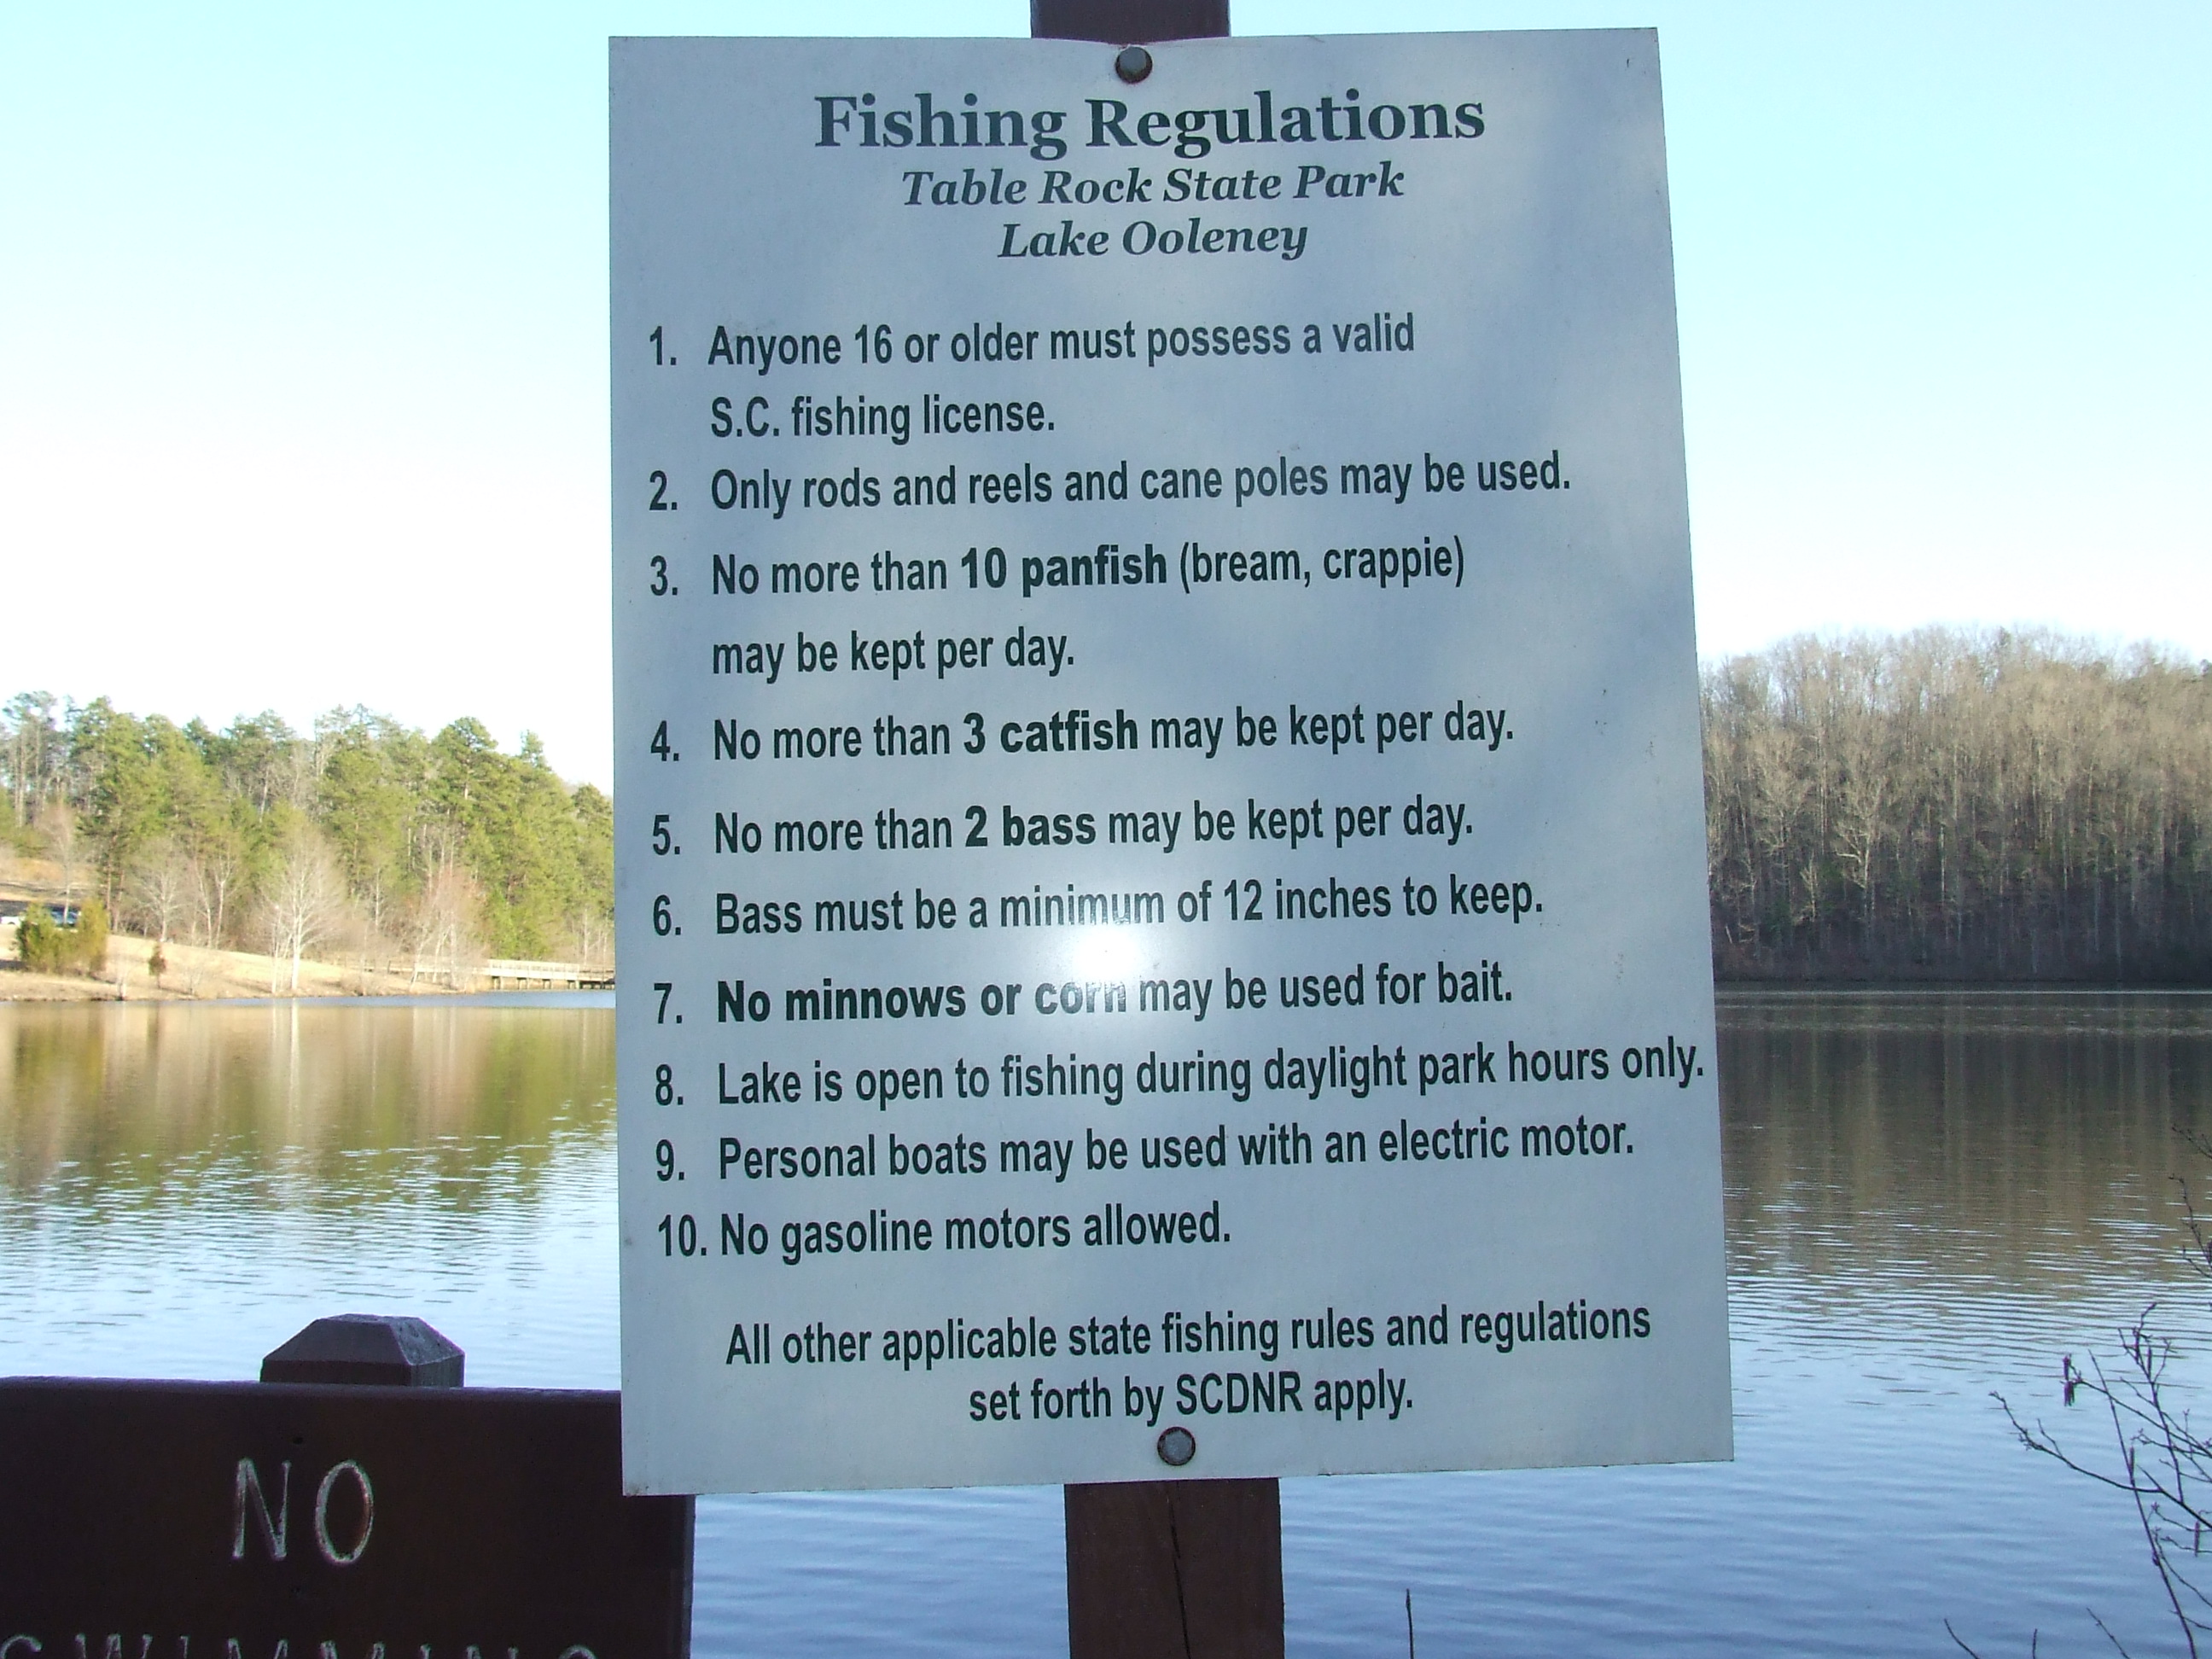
389	1349
1191	1569
1128	23
1158	1568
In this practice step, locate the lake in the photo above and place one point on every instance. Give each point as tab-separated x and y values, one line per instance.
1930	1196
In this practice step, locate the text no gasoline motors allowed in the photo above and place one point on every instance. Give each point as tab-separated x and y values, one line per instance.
880	1232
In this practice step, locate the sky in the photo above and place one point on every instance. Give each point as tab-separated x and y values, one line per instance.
303	332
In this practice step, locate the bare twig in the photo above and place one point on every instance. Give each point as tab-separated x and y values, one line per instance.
2109	1636
2163	1463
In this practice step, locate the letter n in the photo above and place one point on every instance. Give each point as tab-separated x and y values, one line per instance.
272	1531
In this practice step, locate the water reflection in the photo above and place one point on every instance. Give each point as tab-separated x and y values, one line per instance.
316	1092
1959	1142
1929	1196
182	1186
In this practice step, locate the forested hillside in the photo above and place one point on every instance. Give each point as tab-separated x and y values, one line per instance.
1946	806
360	835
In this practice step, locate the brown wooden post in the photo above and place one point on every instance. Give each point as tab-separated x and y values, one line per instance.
1191	1569
1128	22
1158	1568
392	1350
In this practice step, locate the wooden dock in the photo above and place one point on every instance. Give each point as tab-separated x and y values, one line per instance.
515	974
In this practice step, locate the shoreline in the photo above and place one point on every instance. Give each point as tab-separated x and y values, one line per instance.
200	974
333	983
596	998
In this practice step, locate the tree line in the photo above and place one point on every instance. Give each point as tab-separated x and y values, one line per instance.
361	835
1936	804
1942	804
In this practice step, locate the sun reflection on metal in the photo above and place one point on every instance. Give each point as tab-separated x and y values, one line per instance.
1105	953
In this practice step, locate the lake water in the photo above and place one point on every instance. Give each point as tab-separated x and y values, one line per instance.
1930	1196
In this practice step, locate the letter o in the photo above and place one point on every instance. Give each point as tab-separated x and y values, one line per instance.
993	1002
725	489
916	348
748	746
748	582
1187	907
31	1643
1129	237
750	838
331	1553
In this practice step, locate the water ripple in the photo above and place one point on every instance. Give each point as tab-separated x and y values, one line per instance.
1930	1197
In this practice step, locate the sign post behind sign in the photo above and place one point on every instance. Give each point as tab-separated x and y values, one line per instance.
1161	1566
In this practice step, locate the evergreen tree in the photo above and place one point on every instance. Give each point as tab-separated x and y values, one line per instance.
443	836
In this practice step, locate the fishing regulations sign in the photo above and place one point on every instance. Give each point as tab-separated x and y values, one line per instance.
1160	854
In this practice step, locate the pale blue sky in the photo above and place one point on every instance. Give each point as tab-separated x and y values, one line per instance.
302	331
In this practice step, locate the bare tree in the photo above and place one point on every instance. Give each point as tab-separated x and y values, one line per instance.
593	933
213	876
58	823
302	902
33	750
443	924
160	890
1959	806
160	895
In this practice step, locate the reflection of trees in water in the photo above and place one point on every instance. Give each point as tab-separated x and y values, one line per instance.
2023	1136
329	1105
2026	1137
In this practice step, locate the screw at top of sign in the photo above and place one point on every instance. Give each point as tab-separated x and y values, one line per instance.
1177	1446
1132	64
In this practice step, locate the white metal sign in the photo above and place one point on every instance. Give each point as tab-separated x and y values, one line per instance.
1160	839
